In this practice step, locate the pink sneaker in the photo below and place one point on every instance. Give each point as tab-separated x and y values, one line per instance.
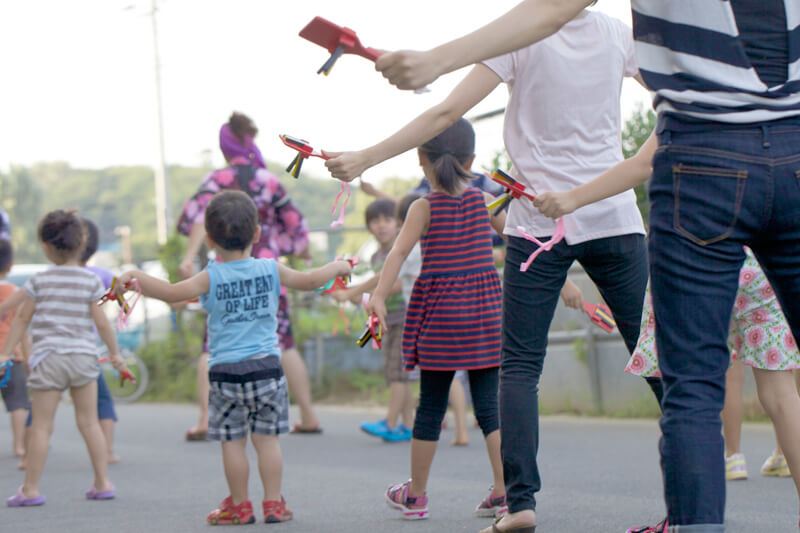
413	507
492	506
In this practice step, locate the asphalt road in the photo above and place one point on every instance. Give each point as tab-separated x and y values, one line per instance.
599	475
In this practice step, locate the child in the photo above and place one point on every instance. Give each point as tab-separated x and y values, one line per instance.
408	274
248	388
15	392
383	225
60	306
105	403
453	319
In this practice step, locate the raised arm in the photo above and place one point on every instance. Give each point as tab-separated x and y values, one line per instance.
308	281
619	178
530	21
479	82
163	290
416	224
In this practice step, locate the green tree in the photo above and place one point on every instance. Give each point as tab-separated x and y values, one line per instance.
21	198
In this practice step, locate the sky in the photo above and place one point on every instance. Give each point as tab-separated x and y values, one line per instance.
79	78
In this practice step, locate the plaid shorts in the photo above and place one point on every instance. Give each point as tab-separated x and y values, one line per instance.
248	395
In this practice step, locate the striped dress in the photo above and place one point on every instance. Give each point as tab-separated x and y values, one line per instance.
453	320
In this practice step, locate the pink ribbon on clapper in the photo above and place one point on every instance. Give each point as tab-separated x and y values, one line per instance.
339	221
557	237
126	310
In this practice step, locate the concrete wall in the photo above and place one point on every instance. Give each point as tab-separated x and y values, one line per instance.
583	370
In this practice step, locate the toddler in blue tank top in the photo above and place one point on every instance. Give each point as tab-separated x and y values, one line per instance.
248	389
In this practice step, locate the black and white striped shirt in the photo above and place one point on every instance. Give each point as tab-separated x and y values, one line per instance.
62	321
692	55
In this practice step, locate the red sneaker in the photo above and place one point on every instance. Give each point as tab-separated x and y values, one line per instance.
229	514
275	511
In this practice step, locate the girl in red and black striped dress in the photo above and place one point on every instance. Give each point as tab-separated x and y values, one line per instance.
453	320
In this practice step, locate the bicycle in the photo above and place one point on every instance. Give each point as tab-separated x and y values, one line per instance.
128	341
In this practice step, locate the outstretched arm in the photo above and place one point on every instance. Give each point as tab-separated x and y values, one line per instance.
308	281
530	21
163	290
479	82
415	225
623	176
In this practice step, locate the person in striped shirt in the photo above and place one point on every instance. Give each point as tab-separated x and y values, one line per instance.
453	321
726	82
60	306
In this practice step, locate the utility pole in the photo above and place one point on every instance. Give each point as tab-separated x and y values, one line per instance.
163	217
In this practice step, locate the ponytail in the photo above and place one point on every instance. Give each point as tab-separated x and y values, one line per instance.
450	173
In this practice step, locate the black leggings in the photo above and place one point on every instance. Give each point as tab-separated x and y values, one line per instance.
435	391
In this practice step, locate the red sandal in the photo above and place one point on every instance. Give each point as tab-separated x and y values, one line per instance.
228	514
275	511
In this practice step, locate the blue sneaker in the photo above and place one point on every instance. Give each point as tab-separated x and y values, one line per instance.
376	429
398	434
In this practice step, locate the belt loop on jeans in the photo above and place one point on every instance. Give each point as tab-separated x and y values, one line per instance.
765	143
666	137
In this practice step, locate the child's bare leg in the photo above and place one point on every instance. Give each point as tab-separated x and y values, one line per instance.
733	412
407	414
297	377
107	425
203	386
270	464
778	395
43	404
458	402
18	417
422	452
84	399
493	449
237	469
398	392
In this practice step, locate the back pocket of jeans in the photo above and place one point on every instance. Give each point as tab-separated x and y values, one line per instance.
707	201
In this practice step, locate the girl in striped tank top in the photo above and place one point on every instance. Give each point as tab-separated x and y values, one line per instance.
453	321
59	304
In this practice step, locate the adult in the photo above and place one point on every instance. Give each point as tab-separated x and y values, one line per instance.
560	130
726	78
283	232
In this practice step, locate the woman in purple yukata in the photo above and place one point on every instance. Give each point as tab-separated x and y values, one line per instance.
283	232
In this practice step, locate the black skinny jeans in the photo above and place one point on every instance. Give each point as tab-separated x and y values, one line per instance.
618	266
435	391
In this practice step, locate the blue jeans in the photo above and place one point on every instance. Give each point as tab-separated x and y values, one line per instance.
618	266
713	192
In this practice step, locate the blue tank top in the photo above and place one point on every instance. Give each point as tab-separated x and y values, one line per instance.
242	303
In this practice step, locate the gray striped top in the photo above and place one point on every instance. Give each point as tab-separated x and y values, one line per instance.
62	321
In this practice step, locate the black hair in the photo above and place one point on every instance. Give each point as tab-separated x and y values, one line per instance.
449	152
231	220
6	255
242	126
405	204
64	231
382	207
92	240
